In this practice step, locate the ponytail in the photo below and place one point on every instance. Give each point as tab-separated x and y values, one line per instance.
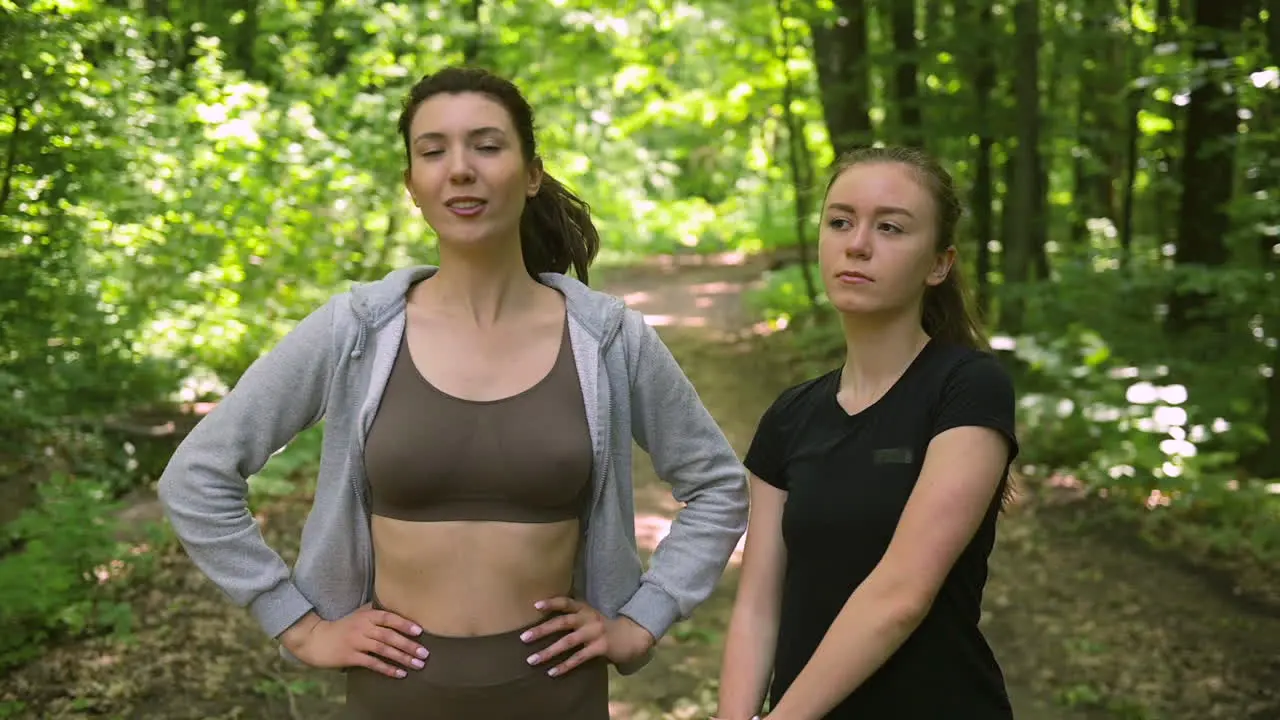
948	314
556	231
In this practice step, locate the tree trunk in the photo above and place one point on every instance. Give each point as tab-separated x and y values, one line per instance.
1025	191
1208	169
840	55
910	127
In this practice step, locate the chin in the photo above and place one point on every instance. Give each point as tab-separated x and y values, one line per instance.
468	238
857	305
853	307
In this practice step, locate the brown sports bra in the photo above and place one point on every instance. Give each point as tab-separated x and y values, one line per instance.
525	458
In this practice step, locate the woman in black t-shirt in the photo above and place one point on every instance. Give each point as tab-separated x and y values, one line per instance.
876	486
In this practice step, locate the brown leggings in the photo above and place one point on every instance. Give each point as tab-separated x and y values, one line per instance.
481	678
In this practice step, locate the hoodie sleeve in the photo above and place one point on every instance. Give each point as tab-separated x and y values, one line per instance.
689	452
204	488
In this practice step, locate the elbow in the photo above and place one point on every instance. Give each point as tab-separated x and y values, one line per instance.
912	609
739	497
727	498
904	603
169	486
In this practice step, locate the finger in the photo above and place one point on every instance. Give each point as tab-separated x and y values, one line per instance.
587	652
390	652
378	666
401	643
565	644
559	604
395	622
556	624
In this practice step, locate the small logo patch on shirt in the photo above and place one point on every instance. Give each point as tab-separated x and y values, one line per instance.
892	456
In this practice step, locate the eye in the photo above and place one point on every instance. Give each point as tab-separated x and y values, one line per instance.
489	148
839	223
430	153
890	228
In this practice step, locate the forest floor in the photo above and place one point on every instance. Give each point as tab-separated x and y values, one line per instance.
1086	623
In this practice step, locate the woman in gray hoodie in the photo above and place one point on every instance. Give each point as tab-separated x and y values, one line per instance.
471	547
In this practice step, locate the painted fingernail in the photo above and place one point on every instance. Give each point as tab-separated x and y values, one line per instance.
526	636
415	630
417	663
553	672
399	673
533	659
422	653
539	605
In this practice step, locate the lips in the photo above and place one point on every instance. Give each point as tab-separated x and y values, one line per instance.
465	206
853	277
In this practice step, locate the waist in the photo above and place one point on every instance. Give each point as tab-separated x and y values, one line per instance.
469	579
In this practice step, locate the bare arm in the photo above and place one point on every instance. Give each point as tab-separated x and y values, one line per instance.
753	626
962	470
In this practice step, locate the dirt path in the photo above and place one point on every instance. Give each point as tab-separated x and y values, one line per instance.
1084	627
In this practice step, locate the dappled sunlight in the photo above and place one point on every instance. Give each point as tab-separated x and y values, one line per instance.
675	321
717	288
652	528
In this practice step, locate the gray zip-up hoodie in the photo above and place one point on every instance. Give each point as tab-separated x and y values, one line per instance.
334	365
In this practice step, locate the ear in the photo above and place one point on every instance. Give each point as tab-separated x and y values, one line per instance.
536	173
408	185
942	265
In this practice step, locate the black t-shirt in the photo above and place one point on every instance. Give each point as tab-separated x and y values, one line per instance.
848	478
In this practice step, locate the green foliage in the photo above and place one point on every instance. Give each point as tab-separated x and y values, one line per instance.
61	575
181	185
291	470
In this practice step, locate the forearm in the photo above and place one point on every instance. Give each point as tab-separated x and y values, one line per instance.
869	629
748	662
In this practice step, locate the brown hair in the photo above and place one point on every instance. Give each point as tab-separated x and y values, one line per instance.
947	313
556	231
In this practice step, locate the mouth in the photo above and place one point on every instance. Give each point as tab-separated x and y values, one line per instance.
853	277
465	206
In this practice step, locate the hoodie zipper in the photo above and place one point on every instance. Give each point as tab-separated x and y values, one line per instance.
357	353
606	419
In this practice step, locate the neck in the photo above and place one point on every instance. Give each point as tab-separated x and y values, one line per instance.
878	349
482	284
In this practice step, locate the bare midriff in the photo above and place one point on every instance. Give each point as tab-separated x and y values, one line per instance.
471	578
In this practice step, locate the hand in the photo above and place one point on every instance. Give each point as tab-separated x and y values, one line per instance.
620	641
365	638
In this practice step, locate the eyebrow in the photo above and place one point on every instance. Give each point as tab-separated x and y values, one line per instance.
882	210
470	134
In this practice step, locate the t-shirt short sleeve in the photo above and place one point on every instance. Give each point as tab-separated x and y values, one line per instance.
766	457
979	393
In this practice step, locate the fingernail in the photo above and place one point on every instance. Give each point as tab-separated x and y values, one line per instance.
422	653
418	663
539	605
553	672
399	673
415	630
533	659
526	636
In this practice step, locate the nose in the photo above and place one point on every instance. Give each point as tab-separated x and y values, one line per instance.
859	241
460	170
